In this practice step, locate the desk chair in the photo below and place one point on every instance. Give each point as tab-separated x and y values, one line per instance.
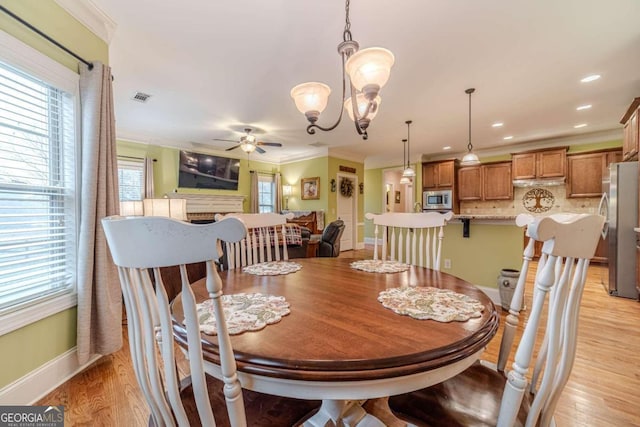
481	395
265	239
140	244
411	238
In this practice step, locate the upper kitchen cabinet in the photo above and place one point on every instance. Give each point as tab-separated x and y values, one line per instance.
540	164
587	170
439	174
631	132
491	181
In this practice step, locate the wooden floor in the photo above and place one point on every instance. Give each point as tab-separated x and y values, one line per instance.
604	388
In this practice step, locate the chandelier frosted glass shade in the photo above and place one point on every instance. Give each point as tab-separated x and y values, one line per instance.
370	67
405	180
470	159
362	106
311	97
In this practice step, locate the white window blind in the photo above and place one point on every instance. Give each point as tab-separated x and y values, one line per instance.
266	193
37	190
131	179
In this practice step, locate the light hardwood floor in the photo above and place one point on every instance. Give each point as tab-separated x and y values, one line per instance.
604	388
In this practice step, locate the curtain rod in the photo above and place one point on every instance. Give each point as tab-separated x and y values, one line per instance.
135	158
32	28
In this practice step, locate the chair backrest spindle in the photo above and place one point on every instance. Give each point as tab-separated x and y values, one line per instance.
411	238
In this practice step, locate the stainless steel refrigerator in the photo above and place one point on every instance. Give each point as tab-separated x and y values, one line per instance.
620	205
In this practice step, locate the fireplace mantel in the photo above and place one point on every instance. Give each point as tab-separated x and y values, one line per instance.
205	206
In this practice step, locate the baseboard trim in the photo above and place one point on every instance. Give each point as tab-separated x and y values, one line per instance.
41	381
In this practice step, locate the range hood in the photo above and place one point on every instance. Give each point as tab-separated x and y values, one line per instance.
538	182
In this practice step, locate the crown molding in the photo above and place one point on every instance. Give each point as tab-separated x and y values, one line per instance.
92	17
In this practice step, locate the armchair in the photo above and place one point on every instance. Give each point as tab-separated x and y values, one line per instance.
329	245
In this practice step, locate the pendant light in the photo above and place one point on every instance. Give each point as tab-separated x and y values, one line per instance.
405	179
408	170
470	159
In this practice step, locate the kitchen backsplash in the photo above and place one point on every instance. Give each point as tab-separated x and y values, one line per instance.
534	200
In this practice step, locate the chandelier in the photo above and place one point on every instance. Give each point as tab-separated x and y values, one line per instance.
368	71
471	158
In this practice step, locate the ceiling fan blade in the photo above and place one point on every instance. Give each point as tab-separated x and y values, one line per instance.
232	148
270	144
260	150
225	140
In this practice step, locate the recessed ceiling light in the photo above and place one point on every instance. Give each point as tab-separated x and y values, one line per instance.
584	107
497	125
448	147
590	78
508	137
581	125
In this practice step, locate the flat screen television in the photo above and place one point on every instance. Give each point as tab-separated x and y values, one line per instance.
207	171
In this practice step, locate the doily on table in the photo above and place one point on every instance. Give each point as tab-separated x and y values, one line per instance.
243	312
423	303
272	268
379	266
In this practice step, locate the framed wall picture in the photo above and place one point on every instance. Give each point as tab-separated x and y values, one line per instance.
397	197
310	188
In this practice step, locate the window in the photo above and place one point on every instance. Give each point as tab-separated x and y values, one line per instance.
37	189
266	193
131	179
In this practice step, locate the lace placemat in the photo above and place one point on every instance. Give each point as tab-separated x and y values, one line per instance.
272	268
379	266
243	312
423	303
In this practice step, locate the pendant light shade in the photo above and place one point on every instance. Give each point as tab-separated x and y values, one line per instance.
470	159
408	170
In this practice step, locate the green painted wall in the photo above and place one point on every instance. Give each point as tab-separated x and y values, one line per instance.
489	248
581	148
27	348
293	172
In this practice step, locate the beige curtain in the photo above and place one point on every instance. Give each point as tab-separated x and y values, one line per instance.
148	178
253	193
99	297
277	180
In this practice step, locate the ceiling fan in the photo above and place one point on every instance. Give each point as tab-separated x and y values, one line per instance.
249	143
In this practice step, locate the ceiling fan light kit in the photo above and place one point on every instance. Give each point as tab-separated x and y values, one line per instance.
368	71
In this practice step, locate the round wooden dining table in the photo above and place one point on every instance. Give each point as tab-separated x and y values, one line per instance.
339	344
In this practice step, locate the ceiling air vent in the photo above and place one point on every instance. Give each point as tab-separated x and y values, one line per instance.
141	97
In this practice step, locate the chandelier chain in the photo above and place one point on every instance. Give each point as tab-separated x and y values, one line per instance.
346	35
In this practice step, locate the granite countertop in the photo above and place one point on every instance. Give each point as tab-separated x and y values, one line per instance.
485	217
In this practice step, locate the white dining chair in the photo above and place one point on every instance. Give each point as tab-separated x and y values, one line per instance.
266	239
141	247
411	238
482	395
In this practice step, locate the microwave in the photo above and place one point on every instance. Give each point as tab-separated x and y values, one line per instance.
439	200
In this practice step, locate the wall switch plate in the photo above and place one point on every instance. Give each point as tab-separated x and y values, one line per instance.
447	263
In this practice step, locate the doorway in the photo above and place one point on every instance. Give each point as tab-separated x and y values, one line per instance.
346	210
396	197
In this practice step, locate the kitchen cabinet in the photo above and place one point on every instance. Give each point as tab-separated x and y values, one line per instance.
586	171
491	181
470	183
439	174
540	164
631	134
